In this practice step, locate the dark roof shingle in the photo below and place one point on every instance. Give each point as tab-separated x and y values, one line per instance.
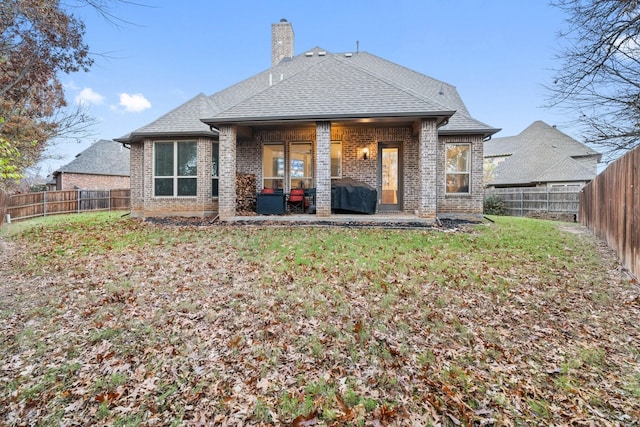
103	157
540	153
321	85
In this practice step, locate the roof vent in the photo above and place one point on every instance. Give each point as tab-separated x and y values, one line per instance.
348	55
322	53
308	54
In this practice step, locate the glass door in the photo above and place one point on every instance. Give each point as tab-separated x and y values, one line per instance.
389	177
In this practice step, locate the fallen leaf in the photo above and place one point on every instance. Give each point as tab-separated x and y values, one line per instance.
302	421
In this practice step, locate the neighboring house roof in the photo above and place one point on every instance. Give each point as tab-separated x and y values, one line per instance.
103	157
500	147
540	153
319	85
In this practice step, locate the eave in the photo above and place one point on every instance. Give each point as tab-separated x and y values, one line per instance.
486	132
387	118
135	137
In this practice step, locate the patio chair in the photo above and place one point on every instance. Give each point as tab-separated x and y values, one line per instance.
296	201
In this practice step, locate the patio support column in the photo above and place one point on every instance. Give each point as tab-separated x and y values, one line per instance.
323	169
227	173
427	158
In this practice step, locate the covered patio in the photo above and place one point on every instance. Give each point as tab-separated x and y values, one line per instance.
414	141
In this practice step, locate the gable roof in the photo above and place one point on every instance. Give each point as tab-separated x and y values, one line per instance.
319	85
103	157
540	153
331	87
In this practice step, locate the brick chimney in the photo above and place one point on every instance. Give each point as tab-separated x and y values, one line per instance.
281	41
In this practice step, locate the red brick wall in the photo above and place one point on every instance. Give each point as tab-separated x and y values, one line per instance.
471	203
73	181
143	201
354	139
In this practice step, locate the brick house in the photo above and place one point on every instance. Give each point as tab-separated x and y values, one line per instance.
308	121
105	165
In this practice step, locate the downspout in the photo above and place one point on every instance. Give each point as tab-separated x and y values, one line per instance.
437	180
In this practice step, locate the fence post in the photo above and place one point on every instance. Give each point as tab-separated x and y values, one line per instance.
44	203
548	200
109	201
521	202
78	200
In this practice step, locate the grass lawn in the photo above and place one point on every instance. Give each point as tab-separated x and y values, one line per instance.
107	320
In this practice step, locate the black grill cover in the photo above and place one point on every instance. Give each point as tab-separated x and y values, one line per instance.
350	195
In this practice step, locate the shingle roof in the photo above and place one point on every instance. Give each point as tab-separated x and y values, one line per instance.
540	153
505	146
427	87
183	120
319	85
103	157
332	87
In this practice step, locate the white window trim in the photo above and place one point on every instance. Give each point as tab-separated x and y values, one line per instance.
341	157
450	144
288	165
175	175
216	177
284	151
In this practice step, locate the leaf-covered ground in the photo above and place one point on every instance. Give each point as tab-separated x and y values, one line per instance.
113	321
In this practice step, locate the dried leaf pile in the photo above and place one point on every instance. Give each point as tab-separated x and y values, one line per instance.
114	321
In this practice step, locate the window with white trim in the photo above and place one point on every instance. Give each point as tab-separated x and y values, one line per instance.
458	168
215	157
273	166
301	165
175	168
336	159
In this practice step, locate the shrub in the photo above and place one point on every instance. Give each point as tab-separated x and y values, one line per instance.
494	205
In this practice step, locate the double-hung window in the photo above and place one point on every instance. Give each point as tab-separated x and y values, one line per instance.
458	168
175	168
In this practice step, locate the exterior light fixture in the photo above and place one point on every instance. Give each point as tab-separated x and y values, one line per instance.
365	153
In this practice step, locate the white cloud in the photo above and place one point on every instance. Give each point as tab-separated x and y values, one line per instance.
88	96
134	103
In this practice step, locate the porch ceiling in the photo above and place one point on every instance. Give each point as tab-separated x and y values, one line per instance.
246	125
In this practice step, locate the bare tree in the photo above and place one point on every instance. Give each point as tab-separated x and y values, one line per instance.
599	78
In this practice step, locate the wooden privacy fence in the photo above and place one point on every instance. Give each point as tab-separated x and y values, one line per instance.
30	205
528	201
610	207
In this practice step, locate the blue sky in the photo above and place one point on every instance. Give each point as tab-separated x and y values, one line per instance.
498	53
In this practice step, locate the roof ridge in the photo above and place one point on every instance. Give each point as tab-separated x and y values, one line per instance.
268	71
403	88
411	70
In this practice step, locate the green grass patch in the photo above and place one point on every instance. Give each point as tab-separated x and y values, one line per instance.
510	320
